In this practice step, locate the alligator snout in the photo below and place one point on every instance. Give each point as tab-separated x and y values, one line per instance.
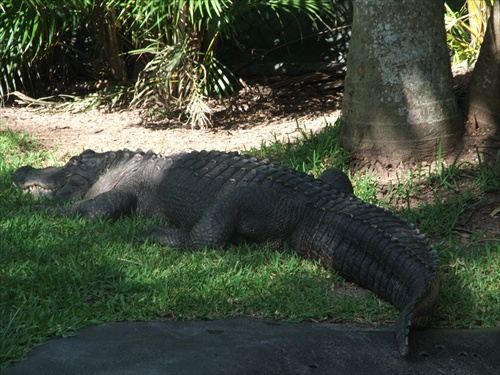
35	182
19	178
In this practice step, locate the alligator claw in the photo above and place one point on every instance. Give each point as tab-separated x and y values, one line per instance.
167	236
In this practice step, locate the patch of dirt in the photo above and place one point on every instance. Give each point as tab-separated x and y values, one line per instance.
258	114
71	133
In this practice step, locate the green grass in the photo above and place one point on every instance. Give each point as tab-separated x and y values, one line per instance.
59	275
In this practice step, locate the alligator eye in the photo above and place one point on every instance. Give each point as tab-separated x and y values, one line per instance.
75	160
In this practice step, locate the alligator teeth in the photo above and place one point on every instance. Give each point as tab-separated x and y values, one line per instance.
37	189
30	188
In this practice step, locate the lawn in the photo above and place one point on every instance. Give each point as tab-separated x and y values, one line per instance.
59	275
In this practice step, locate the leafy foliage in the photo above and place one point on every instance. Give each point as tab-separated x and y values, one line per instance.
31	32
182	67
173	43
466	28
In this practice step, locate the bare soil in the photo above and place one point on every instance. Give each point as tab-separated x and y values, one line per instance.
258	114
71	133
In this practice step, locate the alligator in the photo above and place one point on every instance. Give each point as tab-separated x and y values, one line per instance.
211	199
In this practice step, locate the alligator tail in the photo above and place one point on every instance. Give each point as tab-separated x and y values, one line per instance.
416	314
377	250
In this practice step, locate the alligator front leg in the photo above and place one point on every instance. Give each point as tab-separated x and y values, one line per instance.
107	206
251	213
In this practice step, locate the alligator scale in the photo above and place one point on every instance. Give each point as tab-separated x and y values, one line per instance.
220	197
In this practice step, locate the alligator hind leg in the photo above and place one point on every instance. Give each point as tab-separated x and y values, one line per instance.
250	213
338	180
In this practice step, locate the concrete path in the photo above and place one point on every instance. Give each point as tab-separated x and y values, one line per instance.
259	346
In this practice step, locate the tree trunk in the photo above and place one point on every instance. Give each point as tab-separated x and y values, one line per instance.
111	46
398	99
483	100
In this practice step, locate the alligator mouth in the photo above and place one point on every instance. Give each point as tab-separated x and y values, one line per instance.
37	190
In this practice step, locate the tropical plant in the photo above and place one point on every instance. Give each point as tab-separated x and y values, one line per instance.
175	41
30	33
182	70
44	43
466	28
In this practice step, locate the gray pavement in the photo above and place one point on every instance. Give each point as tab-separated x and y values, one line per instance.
260	346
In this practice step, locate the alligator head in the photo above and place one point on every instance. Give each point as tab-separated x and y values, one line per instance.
69	182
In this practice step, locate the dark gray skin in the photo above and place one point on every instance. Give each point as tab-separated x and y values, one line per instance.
223	197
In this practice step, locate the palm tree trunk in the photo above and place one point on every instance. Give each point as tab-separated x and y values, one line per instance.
398	100
111	45
483	100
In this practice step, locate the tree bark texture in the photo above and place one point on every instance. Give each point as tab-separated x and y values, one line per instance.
398	100
102	22
483	100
